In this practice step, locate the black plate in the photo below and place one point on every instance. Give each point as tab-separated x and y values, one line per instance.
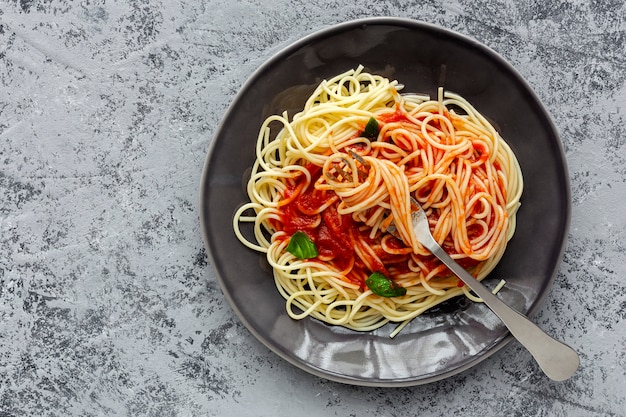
457	335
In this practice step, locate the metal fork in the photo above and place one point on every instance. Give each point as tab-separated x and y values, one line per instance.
557	360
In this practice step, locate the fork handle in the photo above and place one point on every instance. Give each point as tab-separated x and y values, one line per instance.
557	360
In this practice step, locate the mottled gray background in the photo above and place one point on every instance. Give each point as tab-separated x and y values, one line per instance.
108	305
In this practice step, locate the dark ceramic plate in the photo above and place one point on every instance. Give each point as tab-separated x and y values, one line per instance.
457	335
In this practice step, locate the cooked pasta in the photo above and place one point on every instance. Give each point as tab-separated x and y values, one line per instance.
342	173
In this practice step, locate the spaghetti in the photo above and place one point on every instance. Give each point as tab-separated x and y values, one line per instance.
343	172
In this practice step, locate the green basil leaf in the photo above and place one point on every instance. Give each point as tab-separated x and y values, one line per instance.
383	286
301	246
371	129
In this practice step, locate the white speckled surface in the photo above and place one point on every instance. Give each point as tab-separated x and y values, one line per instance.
108	306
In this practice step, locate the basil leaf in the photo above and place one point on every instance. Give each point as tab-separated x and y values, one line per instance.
371	129
301	246
383	286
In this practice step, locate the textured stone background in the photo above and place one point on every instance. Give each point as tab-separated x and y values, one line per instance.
108	306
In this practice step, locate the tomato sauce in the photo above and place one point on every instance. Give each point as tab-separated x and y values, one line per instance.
397	116
332	233
335	235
